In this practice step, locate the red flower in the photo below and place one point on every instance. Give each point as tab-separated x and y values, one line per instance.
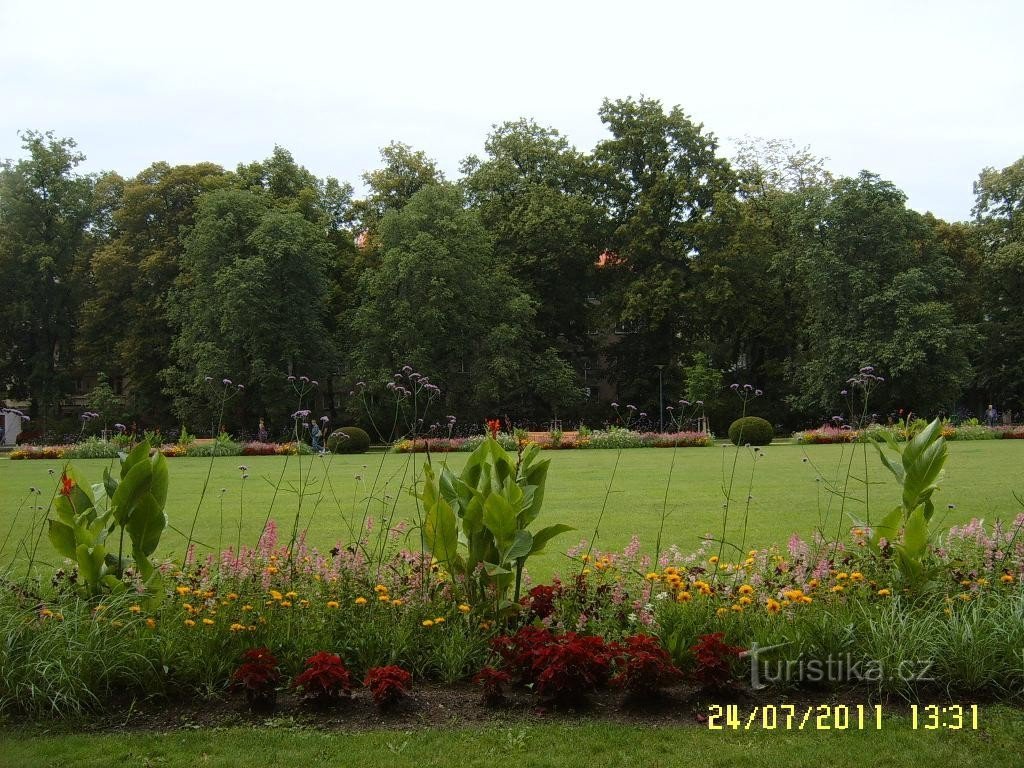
66	484
494	425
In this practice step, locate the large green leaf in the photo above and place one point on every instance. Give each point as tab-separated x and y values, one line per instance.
90	565
62	536
146	524
158	486
500	519
889	528
134	485
915	534
536	477
544	535
440	532
138	455
522	544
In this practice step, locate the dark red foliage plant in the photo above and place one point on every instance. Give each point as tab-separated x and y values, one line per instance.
572	666
258	675
644	667
713	661
540	601
518	652
389	685
325	680
492	685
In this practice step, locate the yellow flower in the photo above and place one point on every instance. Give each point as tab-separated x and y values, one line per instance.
232	596
982	582
749	561
745	600
813	583
304	603
397	602
773	605
842	575
684	597
427	623
151	623
291	595
276	595
236	627
837	588
746	589
652	576
1006	578
246	608
271	569
722	612
965	583
856	576
136	609
464	608
333	604
286	603
360	601
884	592
671	571
380	588
188	607
713	559
737	608
384	598
806	599
585	558
209	622
964	596
793	594
586	571
189	623
182	590
439	620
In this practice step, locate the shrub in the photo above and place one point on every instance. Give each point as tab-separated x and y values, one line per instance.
518	651
573	666
325	680
825	435
259	449
258	676
752	430
713	662
645	666
92	448
223	445
678	439
492	682
389	685
614	437
540	601
348	440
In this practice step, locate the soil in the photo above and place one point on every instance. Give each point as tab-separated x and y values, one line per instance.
435	705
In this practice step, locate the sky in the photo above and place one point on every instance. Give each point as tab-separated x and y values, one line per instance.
925	94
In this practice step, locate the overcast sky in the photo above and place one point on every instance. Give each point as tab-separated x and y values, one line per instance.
925	94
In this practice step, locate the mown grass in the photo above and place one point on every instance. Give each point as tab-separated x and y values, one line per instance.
980	481
996	744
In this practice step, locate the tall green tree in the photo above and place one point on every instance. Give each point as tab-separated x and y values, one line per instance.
403	173
126	329
442	303
249	306
878	284
537	196
999	217
665	188
45	210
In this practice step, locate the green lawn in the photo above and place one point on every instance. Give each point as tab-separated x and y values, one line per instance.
980	480
996	744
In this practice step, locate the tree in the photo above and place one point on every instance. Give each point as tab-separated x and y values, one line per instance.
999	218
126	328
405	172
878	285
248	306
442	303
45	209
537	196
665	189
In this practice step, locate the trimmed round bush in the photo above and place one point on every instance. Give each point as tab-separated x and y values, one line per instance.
348	440
752	430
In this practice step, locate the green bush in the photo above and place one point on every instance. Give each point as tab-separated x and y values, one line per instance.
93	448
348	440
751	430
222	446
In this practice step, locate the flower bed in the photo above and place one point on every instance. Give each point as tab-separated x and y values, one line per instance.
615	438
110	449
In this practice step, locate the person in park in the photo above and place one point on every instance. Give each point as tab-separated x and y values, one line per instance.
261	432
991	415
315	435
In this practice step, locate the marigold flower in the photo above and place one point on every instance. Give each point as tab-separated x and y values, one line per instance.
246	608
1006	578
209	622
383	598
427	623
812	583
182	590
806	599
464	608
652	576
837	588
745	600
276	595
189	623
793	594
333	604
232	596
713	559
272	569
360	601
684	597
151	623
745	589
964	596
291	595
773	605
722	612
397	602
236	627
856	576
136	609
439	620
884	592
286	603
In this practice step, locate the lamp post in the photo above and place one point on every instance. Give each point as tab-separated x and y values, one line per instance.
661	401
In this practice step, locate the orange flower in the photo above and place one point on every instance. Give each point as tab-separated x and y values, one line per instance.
66	484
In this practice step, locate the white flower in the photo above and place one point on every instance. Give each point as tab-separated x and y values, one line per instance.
632	618
661	596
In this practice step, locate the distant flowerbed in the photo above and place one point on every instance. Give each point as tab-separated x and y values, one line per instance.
108	449
610	438
829	434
